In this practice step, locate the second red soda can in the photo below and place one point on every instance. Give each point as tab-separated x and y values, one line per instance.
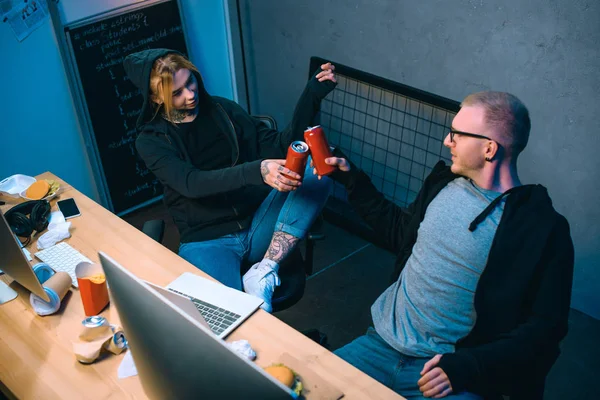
319	149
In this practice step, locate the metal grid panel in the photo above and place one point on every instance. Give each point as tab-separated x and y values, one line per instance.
395	138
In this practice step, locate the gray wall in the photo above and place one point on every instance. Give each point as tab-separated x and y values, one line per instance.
544	51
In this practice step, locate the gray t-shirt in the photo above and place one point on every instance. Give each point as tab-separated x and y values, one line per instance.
431	306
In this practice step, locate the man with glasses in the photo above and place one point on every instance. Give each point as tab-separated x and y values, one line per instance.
482	286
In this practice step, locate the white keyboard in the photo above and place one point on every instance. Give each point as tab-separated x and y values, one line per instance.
62	257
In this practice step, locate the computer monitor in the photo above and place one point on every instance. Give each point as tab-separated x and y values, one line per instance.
14	263
176	357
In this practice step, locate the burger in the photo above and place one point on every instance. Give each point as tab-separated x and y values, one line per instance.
286	376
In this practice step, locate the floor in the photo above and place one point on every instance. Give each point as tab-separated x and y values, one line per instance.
350	273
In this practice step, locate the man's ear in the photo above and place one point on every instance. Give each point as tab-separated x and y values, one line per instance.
491	150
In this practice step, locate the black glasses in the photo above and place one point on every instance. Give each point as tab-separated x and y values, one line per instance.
454	131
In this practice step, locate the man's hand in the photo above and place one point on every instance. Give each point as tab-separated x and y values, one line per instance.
272	173
434	382
326	73
341	163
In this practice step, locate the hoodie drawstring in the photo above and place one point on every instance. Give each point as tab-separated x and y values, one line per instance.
489	209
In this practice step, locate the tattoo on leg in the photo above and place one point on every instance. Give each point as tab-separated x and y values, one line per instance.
281	245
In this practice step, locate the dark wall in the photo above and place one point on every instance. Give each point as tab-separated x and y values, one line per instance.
544	51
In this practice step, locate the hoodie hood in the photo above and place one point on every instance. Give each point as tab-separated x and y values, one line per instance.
138	67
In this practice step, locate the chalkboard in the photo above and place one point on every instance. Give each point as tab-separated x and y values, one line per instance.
113	103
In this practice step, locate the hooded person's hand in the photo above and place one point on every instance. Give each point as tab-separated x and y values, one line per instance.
327	73
323	80
279	177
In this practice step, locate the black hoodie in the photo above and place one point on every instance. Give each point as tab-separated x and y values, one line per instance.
523	296
209	204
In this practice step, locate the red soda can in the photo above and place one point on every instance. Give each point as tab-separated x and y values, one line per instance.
319	149
297	156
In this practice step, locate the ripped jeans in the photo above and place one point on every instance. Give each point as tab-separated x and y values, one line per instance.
290	212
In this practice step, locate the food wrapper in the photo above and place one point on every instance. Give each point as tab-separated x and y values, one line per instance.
88	352
93	341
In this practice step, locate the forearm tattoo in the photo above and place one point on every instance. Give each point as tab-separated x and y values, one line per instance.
281	245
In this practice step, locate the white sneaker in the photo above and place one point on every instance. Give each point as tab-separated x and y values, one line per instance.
261	280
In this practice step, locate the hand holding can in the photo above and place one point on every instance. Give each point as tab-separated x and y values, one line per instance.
319	149
297	156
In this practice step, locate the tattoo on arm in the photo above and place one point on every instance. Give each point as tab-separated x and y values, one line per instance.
281	245
264	169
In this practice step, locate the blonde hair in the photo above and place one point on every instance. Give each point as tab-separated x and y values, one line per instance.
506	115
161	81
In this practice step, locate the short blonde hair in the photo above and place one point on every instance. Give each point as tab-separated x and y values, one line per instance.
506	115
161	80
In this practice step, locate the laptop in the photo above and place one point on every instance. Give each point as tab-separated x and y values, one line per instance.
176	356
222	307
184	303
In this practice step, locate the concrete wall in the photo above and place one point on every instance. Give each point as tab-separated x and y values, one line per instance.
546	52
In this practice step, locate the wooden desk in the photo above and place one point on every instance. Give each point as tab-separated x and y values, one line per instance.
36	357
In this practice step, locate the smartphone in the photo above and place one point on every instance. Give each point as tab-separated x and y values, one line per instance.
68	208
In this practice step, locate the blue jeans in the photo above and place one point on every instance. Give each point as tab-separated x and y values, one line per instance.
373	356
290	212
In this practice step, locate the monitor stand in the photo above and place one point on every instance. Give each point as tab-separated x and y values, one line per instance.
6	293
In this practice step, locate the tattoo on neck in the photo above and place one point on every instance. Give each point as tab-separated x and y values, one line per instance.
281	245
178	115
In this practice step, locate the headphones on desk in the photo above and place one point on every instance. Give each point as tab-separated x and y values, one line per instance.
22	225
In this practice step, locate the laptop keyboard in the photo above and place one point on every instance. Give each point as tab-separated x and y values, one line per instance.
217	318
63	257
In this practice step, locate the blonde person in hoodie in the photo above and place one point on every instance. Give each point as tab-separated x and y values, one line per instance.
225	184
481	292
